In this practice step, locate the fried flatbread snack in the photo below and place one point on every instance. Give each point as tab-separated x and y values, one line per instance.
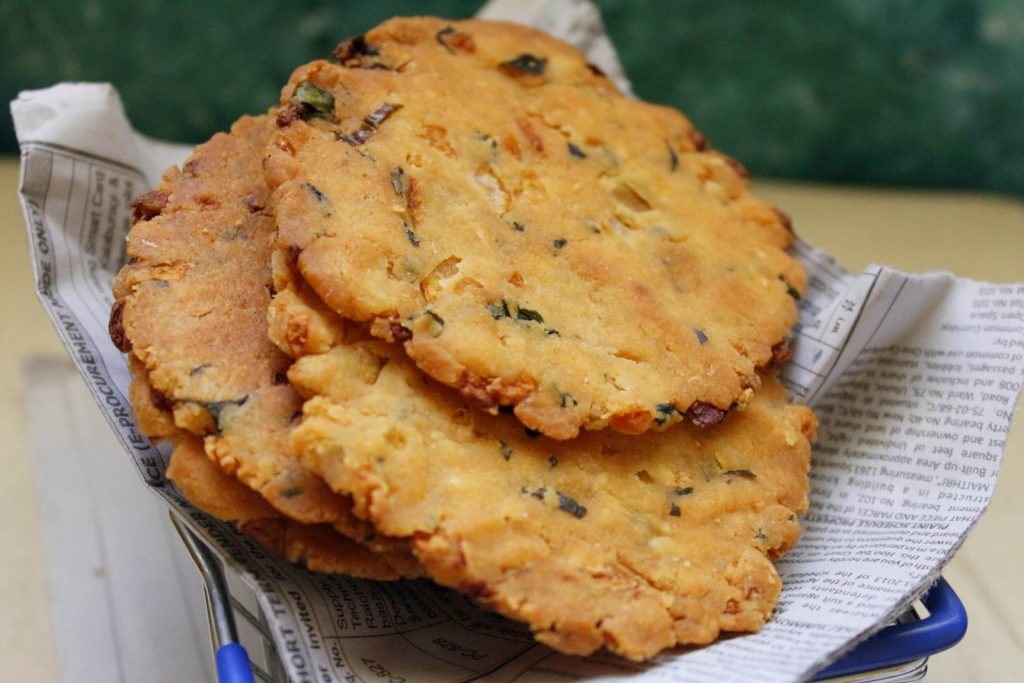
636	543
535	239
318	546
191	309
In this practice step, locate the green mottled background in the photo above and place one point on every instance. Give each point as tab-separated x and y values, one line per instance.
897	92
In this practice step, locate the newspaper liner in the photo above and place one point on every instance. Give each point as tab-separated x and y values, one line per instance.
914	379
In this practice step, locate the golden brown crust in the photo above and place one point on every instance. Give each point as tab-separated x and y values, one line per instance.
478	194
192	306
534	238
631	542
152	411
318	546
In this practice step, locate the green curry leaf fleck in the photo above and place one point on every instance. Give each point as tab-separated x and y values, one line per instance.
499	311
527	64
528	314
317	102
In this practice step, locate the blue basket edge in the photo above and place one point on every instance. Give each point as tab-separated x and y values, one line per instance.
943	628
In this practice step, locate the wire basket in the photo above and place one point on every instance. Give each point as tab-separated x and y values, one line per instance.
244	650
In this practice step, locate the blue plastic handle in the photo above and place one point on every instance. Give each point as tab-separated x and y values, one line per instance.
233	664
943	628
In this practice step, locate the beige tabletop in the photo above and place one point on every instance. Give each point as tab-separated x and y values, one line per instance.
972	235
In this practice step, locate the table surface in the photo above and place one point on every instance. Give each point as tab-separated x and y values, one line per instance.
972	235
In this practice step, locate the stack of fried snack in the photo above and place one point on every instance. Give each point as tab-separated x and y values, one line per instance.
457	308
